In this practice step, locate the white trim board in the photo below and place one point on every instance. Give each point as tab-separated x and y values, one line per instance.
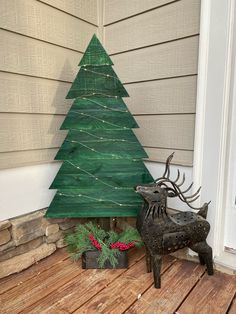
212	116
230	219
26	189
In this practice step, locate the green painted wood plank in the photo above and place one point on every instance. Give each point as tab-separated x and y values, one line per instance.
102	156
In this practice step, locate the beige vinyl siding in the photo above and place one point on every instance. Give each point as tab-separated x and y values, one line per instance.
43	42
30	131
176	58
116	10
27	157
29	56
84	9
43	22
172	21
155	53
182	157
154	46
27	94
173	95
180	127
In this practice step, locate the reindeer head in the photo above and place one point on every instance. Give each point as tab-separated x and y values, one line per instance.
155	198
156	193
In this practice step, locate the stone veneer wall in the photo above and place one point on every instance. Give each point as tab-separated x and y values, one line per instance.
26	239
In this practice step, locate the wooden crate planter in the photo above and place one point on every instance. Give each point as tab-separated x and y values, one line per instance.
98	248
89	260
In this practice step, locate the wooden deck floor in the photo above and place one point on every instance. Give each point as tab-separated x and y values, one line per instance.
57	285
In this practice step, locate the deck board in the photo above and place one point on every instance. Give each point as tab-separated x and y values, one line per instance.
75	293
213	294
36	288
176	283
124	291
232	309
14	280
57	285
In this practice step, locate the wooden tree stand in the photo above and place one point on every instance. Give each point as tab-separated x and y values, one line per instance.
89	261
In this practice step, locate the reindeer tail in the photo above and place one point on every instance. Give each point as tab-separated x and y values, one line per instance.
203	211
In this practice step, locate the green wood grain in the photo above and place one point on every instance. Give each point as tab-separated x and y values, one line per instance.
96	79
98	103
95	54
98	119
102	158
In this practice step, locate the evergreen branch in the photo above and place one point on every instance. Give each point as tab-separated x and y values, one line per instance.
79	242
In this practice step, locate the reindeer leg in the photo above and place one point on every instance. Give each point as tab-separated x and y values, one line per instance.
201	259
148	260
205	255
157	271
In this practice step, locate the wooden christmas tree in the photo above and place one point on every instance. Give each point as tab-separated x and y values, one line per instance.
102	158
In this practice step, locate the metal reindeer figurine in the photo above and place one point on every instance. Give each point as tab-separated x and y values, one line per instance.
163	233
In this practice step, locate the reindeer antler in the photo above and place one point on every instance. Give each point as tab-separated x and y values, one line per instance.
175	187
167	168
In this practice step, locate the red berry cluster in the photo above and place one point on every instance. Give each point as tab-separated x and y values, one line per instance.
122	246
116	245
94	242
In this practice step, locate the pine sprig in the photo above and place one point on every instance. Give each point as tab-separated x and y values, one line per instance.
108	255
131	235
80	242
112	236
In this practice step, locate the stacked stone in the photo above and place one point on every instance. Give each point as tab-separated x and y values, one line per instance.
27	239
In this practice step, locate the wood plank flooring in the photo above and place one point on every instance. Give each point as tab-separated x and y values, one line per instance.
57	285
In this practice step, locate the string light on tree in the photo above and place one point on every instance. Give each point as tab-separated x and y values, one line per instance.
98	179
102	158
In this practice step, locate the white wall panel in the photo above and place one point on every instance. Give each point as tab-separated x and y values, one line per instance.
26	189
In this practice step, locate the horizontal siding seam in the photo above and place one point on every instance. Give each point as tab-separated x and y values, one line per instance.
126	83
160	79
153	45
34	113
41	40
164	114
41	77
64	114
29	150
170	148
186	164
79	18
140	13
